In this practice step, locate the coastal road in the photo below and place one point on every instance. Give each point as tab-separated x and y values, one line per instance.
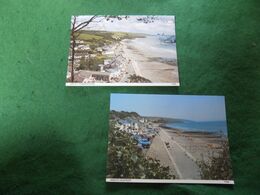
131	63
183	161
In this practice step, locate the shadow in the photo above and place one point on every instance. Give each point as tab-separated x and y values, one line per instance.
166	188
113	187
41	164
147	187
90	92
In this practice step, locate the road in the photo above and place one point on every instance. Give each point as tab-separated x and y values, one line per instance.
183	161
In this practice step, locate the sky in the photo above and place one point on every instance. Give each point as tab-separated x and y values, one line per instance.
162	24
189	107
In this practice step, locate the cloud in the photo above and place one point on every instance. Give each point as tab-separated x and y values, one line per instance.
160	24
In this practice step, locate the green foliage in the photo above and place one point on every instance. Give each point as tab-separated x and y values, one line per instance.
138	79
89	37
91	63
96	39
126	160
219	168
82	63
106	36
123	114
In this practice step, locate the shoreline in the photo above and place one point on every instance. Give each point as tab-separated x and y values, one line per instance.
185	150
193	132
157	71
201	145
141	62
183	154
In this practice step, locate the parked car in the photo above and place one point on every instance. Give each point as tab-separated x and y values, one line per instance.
143	141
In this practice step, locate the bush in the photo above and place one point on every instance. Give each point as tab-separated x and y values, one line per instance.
138	79
126	160
219	168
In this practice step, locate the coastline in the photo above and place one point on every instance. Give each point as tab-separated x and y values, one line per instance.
157	71
133	63
192	132
185	150
202	145
183	155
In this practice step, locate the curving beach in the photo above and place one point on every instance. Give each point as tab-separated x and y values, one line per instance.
150	61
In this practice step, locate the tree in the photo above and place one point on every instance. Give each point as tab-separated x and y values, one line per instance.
75	32
126	160
77	26
138	79
218	168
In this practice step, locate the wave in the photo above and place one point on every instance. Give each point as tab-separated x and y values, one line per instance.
219	127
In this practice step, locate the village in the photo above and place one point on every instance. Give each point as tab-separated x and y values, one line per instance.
104	64
171	146
142	130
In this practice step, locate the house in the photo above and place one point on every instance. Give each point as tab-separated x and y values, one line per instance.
93	55
107	62
79	42
83	47
109	53
142	120
116	74
135	126
101	67
92	76
99	49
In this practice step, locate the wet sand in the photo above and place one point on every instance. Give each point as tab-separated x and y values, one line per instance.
150	63
202	146
149	66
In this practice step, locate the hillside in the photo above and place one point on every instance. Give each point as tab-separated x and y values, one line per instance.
164	120
100	38
123	114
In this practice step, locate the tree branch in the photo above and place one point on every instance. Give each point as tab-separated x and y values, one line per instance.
84	24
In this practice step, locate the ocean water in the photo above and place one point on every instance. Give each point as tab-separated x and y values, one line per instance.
219	127
155	47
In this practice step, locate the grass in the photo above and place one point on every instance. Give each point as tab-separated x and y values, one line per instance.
96	39
89	37
107	36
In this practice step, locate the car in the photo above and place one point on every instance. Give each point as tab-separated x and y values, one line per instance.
143	141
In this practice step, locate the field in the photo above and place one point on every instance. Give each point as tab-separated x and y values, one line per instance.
100	38
95	40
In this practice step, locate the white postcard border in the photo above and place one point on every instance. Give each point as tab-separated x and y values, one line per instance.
69	84
177	181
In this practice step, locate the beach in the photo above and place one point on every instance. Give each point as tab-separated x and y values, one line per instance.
130	60
184	154
150	62
183	151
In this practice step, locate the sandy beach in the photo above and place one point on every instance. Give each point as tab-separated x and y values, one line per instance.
182	151
145	58
150	64
201	145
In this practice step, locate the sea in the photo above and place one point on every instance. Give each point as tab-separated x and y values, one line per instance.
217	127
156	46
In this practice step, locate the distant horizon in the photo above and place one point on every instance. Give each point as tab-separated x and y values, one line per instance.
129	32
169	117
161	24
184	107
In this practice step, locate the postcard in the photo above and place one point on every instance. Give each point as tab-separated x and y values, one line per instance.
123	50
168	139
